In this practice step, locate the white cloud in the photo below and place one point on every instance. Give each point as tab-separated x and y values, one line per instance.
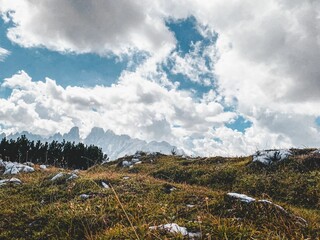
268	54
134	106
265	60
102	26
3	54
193	64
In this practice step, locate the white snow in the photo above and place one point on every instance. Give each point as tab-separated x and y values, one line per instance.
11	180
269	156
57	176
15	168
241	197
105	185
139	162
125	177
176	229
190	205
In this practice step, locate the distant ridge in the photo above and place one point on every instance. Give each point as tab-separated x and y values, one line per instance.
113	145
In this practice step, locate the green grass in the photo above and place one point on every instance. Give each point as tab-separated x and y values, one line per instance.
42	209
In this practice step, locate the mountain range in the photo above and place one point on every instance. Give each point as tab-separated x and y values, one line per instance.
113	145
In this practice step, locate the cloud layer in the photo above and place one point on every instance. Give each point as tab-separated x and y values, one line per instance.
137	107
264	66
102	26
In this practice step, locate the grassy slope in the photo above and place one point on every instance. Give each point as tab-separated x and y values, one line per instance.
41	209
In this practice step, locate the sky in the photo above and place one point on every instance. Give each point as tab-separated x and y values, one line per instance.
210	77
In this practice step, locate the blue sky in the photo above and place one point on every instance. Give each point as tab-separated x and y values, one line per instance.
81	69
208	77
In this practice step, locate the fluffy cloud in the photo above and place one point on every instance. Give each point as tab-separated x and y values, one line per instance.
194	64
87	26
265	65
133	106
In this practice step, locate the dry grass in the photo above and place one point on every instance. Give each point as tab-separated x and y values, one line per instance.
42	209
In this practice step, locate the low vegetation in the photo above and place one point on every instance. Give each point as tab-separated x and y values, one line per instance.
160	189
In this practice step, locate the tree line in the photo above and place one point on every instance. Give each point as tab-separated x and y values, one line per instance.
60	154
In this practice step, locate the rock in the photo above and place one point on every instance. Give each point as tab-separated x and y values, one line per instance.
11	170
176	229
43	167
15	168
84	196
11	180
316	151
167	188
135	160
126	164
106	186
190	205
268	206
72	176
57	176
2	163
30	164
15	180
240	197
268	157
171	227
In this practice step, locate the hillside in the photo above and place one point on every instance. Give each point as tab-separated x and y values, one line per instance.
155	196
